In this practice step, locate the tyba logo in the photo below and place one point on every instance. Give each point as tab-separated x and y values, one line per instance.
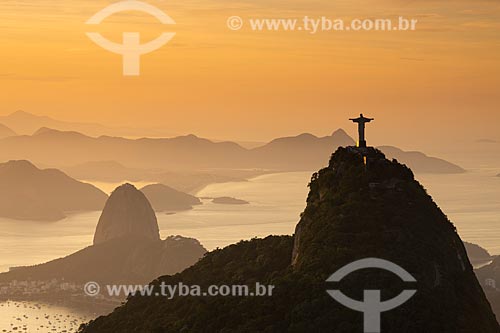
131	49
371	306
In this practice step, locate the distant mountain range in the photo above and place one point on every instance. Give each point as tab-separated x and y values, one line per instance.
53	147
419	162
27	123
28	193
5	131
304	152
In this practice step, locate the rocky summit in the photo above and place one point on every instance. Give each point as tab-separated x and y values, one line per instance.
364	205
127	213
127	249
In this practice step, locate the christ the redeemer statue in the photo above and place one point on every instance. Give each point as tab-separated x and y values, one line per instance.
361	129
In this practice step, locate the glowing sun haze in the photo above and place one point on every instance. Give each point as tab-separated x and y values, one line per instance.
443	79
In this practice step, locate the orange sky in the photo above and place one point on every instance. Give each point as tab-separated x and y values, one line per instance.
443	79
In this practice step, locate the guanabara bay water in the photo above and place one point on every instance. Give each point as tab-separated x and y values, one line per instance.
276	201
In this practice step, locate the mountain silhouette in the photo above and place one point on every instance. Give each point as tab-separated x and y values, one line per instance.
229	201
6	132
126	213
127	248
127	260
46	132
55	147
357	208
166	199
28	193
190	153
477	255
302	152
421	163
26	123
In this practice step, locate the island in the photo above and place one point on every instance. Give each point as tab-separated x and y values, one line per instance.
30	193
229	201
167	199
478	256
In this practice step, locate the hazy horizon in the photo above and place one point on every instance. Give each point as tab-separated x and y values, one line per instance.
440	81
375	136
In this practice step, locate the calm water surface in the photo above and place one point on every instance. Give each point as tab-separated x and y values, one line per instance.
471	201
39	317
